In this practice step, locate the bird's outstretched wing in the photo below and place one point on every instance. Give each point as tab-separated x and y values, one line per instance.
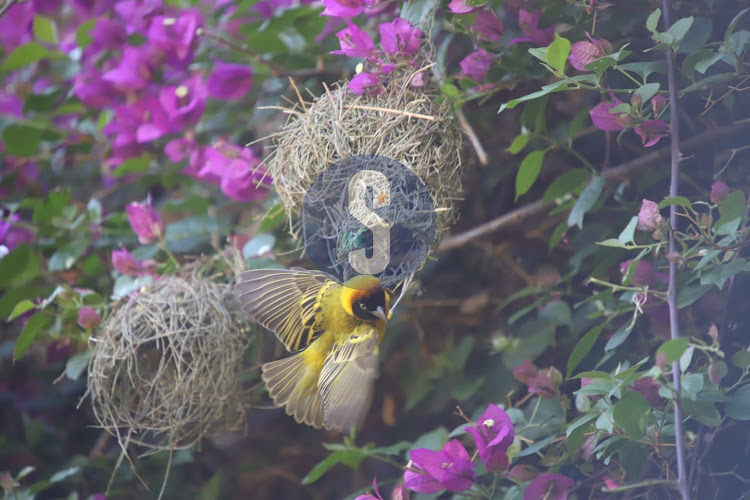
348	376
285	301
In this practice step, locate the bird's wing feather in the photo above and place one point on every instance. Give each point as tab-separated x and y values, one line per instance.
347	379
284	301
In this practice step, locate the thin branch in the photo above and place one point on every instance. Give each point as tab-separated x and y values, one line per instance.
617	173
674	328
473	139
5	6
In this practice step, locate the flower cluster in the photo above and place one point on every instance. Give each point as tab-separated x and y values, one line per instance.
545	383
398	39
611	116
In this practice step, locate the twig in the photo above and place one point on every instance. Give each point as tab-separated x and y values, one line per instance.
473	139
674	328
394	111
275	68
611	174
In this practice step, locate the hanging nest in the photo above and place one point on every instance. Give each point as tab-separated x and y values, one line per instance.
164	367
412	125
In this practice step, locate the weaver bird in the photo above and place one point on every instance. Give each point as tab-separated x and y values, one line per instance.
334	329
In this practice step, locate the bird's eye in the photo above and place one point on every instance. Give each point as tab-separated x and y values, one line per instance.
362	306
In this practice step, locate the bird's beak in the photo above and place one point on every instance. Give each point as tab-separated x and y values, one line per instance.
380	314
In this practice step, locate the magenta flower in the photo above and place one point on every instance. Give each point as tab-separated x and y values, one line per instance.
175	35
658	102
649	217
354	42
92	90
368	495
549	487
613	122
582	53
400	492
463	7
108	35
178	149
525	371
343	8
137	14
124	262
432	471
651	132
365	83
134	70
185	103
719	191
493	436
476	65
529	24
88	318
644	273
488	26
15	25
10	104
238	171
649	389
229	81
542	385
145	222
399	37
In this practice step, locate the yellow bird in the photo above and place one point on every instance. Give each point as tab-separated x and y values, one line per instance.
336	328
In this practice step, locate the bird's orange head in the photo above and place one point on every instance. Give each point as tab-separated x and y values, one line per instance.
365	298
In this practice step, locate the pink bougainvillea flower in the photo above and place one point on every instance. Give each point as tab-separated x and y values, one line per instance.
108	35
178	149
522	473
229	81
145	222
542	385
368	495
644	273
549	487
88	318
399	36
652	131
418	80
525	371
658	102
124	262
476	65
605	120
582	53
529	24
354	42
365	83
719	191
649	217
175	35
15	25
432	471
137	14
185	103
343	8
488	26
400	492
463	7
134	70
11	235
237	169
610	483
92	90
493	436
10	104
649	389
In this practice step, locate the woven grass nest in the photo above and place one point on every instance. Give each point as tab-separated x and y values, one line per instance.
164	366
412	125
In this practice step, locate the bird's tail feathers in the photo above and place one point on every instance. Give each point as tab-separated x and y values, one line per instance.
285	380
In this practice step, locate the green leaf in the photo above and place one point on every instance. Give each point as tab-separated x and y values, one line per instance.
529	171
133	165
586	201
718	275
549	89
634	456
618	337
29	53
611	242
704	412
187	235
628	413
352	458
738	406
732	209
29	332
41	103
558	52
20	266
83	37
260	244
686	295
67	255
679	29
518	144
583	347
52	207
22	139
540	53
647	91
417	11
45	29
733	24
628	234
273	218
394	449
569	182
692	384
22	307
76	364
64	474
673	349
680	201
578	431
699	61
741	359
537	446
652	22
